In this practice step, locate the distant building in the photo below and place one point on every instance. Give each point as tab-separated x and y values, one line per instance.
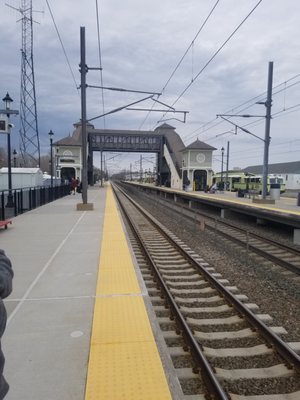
68	156
290	172
175	162
21	178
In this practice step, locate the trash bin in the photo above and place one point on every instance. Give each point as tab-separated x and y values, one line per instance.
275	191
298	199
240	193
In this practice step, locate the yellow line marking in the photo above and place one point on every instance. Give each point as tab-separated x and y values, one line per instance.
124	361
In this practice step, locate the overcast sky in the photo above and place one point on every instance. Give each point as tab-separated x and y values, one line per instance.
142	41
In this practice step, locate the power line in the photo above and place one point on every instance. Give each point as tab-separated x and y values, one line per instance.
253	101
182	58
215	54
291	109
191	45
63	47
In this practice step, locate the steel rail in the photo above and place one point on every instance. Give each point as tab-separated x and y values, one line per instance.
206	370
287	265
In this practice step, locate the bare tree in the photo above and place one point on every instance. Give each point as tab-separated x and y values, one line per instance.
45	163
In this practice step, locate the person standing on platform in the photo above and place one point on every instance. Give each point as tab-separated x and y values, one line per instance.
6	276
78	185
73	185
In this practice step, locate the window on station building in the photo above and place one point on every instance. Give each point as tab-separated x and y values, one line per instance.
68	153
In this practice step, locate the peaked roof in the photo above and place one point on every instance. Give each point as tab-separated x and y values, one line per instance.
165	126
68	141
74	139
198	145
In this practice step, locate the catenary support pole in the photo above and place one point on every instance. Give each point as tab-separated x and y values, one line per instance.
227	187
101	162
268	105
83	71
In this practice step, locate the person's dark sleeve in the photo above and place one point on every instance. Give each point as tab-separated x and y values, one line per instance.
6	275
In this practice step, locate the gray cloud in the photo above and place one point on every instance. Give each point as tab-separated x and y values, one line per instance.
141	43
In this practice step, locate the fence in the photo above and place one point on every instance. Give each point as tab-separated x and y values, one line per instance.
26	199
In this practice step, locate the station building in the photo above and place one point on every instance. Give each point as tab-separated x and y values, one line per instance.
197	166
68	155
178	166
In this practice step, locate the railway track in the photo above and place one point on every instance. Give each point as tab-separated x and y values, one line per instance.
278	253
222	348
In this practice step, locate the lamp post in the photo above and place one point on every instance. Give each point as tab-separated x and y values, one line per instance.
15	159
222	150
7	110
51	157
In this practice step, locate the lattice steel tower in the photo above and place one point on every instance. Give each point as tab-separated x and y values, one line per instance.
29	134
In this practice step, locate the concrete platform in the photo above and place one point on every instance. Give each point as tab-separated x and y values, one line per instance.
54	251
79	318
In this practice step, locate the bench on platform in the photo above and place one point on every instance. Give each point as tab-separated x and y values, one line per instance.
5	223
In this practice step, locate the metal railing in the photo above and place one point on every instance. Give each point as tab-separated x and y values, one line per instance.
26	199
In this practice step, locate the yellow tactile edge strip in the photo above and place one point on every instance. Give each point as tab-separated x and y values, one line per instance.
124	362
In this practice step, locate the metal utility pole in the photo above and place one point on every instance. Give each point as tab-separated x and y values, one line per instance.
29	133
227	168
83	72
266	140
268	105
101	152
141	168
222	169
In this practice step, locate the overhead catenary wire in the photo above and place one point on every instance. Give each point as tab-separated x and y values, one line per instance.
215	54
183	56
252	101
291	109
62	45
190	46
253	150
208	125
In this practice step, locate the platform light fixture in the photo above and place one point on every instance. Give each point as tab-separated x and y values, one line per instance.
7	100
51	158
